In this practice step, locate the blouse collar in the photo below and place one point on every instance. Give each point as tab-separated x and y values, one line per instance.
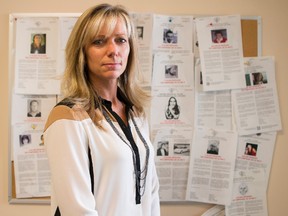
122	98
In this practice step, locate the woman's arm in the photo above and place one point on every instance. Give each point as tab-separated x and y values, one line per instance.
67	149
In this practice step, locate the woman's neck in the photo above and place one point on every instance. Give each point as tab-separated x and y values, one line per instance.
109	93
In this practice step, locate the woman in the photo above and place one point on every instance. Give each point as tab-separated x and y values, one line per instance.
171	71
250	150
172	111
219	38
258	78
101	159
38	47
163	149
24	140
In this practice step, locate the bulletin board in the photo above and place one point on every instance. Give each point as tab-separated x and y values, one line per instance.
12	43
252	47
251	36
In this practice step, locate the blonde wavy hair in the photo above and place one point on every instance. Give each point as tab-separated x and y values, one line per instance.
76	85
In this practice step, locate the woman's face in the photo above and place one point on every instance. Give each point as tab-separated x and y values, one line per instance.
173	70
219	36
260	77
165	146
25	141
37	40
249	147
172	102
107	56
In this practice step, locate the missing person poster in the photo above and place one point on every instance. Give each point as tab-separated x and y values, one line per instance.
221	52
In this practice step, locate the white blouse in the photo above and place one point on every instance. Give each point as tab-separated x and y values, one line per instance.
68	133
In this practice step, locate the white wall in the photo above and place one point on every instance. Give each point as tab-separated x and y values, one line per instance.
275	33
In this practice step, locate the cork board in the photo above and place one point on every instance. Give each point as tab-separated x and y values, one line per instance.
251	40
250	37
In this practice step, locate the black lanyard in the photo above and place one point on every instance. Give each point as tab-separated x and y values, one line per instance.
134	148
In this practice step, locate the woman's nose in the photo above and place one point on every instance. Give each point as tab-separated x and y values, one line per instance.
112	48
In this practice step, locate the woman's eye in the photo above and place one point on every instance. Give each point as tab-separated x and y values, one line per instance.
121	40
98	42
